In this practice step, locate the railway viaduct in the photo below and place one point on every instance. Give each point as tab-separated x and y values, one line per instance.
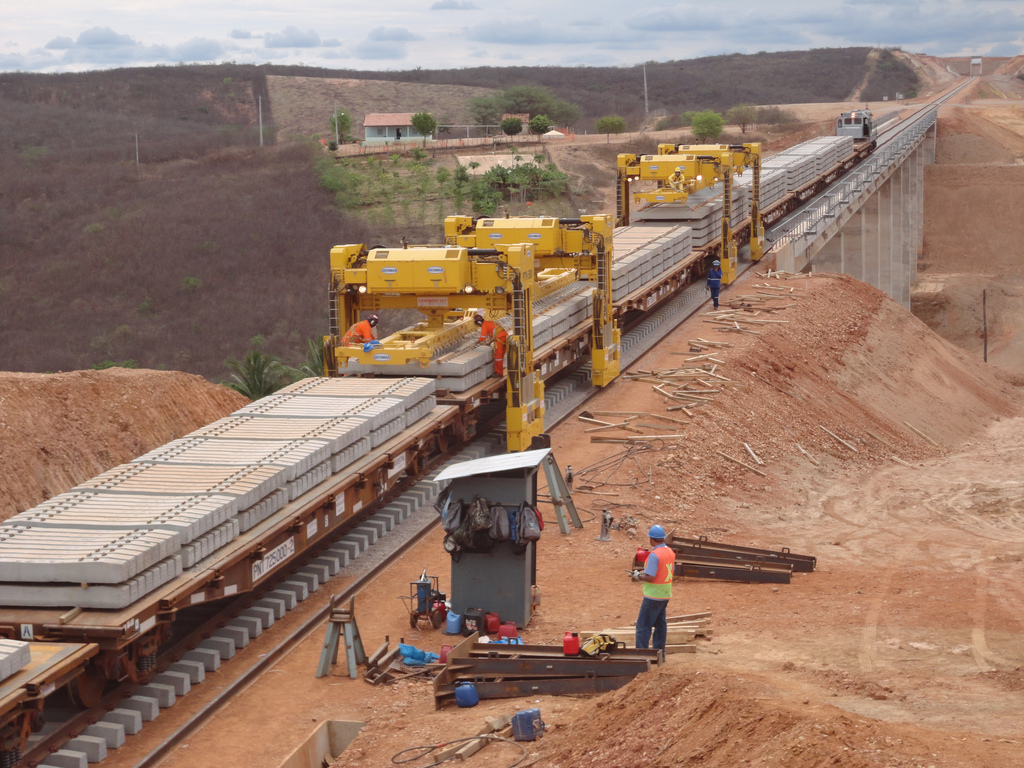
870	224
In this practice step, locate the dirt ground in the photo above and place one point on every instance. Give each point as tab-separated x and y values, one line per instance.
905	647
60	429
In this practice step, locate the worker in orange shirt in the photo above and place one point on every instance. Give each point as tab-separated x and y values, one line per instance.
361	332
490	331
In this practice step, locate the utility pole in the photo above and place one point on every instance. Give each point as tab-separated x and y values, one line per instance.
261	120
646	108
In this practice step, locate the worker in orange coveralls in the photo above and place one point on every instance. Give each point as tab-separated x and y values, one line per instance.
490	331
361	332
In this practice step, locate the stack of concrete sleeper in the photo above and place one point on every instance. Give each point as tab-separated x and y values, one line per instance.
122	534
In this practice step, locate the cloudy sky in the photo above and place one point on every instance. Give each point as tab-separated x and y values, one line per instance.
73	35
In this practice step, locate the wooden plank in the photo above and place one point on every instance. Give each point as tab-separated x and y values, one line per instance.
623	425
680	408
745	466
922	434
472	747
898	460
753	455
667	418
496	724
805	453
837	437
880	439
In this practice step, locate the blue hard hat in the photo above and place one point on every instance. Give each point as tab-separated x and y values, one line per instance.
656	532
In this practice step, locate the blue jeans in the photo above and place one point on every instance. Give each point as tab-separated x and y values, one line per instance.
652	615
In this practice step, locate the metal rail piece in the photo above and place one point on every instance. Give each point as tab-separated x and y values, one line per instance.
701	547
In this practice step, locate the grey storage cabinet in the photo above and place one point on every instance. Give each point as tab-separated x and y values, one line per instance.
501	580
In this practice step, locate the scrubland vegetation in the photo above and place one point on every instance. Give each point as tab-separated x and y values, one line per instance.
145	221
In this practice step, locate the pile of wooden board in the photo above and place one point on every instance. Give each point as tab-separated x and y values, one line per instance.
500	671
682	632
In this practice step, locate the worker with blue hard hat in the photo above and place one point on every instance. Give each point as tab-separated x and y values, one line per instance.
715	281
657	579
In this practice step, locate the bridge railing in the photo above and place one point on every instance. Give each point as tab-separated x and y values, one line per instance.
813	219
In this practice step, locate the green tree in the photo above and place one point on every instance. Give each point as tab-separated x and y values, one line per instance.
258	374
742	115
611	124
707	125
511	126
523	99
313	365
425	125
540	124
341	126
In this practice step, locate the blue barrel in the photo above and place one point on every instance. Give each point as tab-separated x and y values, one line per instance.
466	695
453	624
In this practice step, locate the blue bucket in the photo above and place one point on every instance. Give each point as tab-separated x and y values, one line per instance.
465	694
453	624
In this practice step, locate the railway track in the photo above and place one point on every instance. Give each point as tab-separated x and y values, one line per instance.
449	439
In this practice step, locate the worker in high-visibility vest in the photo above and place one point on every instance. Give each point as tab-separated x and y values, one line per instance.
657	579
361	332
491	332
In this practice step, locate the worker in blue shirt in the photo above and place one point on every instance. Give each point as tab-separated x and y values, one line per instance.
657	579
715	281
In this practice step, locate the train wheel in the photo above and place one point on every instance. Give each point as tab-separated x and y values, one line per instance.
87	689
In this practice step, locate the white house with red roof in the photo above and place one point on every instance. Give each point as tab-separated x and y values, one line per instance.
390	127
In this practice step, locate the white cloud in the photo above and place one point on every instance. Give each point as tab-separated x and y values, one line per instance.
292	37
392	34
454	5
73	37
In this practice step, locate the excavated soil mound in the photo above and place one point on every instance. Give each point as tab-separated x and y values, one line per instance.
900	650
684	718
58	430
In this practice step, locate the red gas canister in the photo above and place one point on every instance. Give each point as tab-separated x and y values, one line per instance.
508	629
492	622
641	557
444	653
571	644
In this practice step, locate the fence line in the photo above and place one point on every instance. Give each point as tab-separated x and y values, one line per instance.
406	147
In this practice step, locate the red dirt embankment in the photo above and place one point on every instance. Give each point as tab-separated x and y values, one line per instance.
60	429
901	649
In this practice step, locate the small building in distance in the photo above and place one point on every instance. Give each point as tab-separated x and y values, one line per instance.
390	127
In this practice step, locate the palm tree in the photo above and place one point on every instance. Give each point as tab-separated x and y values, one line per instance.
313	365
258	374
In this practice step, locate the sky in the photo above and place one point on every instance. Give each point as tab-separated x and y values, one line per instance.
75	36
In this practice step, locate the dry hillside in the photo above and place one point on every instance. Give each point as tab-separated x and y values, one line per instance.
305	105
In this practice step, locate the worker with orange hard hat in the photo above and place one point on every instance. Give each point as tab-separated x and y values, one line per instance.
361	332
490	331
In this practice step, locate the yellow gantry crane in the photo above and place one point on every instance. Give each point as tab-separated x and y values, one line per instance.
580	248
448	284
679	170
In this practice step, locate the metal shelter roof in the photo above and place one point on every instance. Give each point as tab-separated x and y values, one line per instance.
490	464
